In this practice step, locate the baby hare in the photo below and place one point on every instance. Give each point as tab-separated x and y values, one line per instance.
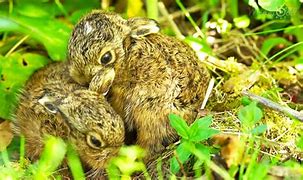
154	75
51	104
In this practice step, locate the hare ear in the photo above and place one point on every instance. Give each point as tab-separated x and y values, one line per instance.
141	27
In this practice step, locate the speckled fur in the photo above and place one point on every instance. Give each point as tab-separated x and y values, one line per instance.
154	74
80	112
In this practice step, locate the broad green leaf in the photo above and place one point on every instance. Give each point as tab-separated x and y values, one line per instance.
204	122
53	34
32	10
74	5
245	100
193	130
8	99
250	115
259	129
76	15
242	22
179	125
183	154
199	130
199	150
203	150
271	5
270	43
16	69
203	134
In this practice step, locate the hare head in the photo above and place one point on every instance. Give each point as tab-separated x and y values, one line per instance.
100	39
94	128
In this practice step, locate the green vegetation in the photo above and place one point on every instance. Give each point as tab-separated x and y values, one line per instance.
191	137
247	45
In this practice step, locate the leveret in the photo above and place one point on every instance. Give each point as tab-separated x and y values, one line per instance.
52	104
152	75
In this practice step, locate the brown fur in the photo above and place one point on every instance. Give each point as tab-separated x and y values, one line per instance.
80	113
154	74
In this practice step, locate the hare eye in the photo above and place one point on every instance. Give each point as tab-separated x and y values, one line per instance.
51	108
94	140
106	58
46	102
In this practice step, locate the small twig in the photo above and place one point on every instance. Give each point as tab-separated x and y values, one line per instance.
16	45
208	92
280	171
180	13
165	13
274	105
191	20
61	7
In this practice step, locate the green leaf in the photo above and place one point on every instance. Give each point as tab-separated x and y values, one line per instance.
52	33
8	99
74	5
203	150
259	129
203	134
253	4
74	163
300	142
127	162
271	5
76	15
51	157
152	9
179	125
270	43
250	115
233	170
199	150
234	8
182	154
32	10
199	130
16	69
242	22
245	100
204	122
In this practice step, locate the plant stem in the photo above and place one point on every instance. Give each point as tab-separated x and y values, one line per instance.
193	23
152	9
